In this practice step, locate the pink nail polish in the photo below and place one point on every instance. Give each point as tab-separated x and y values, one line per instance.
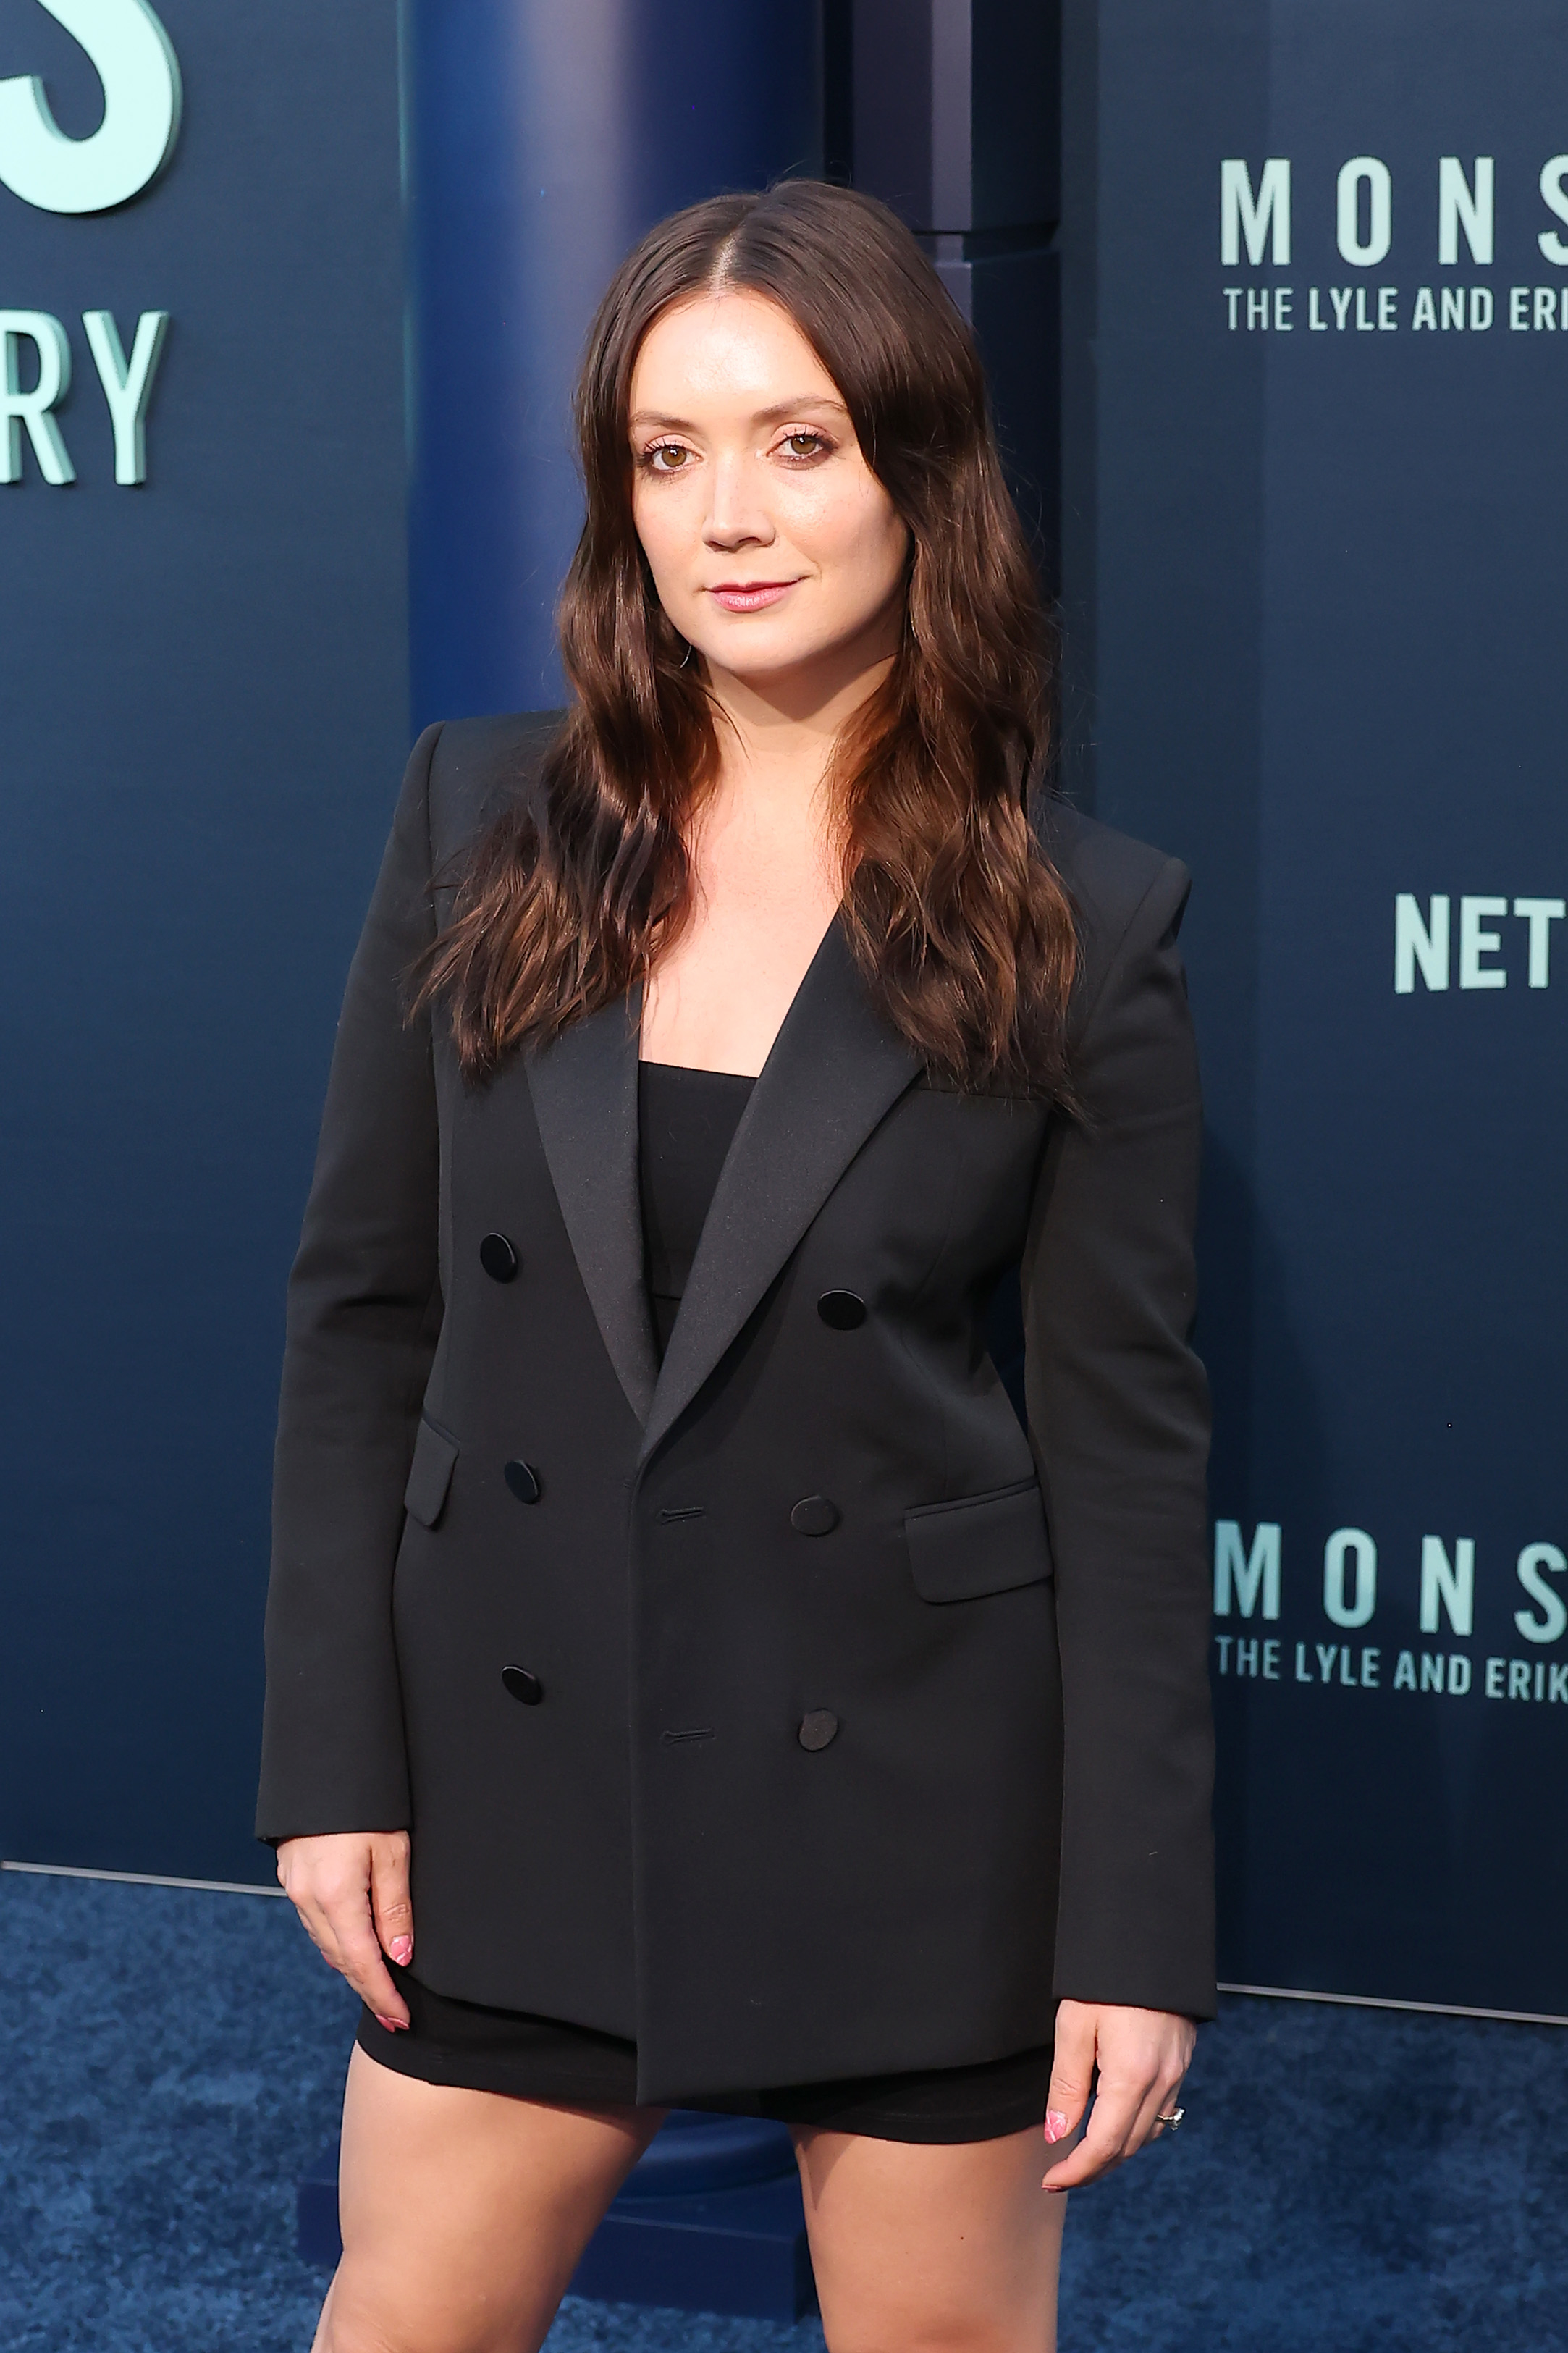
402	1950
389	2023
1056	2125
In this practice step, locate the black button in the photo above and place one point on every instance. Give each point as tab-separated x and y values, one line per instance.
523	1483
814	1515
531	1691
817	1728
498	1257
841	1311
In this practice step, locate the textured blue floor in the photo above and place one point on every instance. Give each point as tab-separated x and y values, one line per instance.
1352	2181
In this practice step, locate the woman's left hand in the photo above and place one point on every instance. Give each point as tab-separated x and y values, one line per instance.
1141	2056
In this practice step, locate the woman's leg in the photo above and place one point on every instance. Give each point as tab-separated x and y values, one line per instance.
464	2214
932	2250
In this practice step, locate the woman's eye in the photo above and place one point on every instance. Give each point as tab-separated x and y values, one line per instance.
666	458
796	446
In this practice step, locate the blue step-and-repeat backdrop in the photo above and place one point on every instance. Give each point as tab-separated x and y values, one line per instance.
1314	284
1317	513
204	708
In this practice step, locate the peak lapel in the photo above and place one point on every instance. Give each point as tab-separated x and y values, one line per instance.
584	1091
835	1068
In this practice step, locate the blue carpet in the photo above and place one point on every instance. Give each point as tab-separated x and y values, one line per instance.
1351	2181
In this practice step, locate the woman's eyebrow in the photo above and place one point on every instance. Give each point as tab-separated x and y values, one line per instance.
783	409
641	419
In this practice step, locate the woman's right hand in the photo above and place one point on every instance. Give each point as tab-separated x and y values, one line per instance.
350	1890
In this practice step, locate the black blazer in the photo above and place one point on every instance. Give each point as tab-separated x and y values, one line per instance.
861	1725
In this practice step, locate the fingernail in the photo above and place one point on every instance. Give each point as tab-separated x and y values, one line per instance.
402	1950
1056	2125
390	2024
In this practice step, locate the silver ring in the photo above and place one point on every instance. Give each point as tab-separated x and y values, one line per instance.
1173	2120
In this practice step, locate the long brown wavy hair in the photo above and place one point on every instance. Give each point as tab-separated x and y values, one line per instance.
957	923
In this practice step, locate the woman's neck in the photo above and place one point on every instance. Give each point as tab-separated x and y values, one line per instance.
767	866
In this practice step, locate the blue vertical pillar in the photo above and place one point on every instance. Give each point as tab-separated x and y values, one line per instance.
544	136
952	120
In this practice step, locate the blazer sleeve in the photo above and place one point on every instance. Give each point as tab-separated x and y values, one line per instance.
1119	1415
363	1317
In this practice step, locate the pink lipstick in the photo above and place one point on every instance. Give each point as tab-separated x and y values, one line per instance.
749	596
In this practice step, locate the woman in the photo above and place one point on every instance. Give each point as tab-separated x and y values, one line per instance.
662	1573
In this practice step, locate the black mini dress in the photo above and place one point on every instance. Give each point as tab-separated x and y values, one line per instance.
687	1121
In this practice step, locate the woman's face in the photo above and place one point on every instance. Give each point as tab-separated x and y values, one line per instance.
773	548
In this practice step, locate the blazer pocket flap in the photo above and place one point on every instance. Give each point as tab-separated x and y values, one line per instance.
430	1475
979	1544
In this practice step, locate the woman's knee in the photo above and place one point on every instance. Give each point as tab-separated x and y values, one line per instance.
1010	2308
365	2313
935	2332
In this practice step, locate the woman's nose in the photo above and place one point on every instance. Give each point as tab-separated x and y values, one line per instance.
737	516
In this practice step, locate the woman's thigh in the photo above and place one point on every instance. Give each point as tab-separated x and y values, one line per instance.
464	2214
932	2250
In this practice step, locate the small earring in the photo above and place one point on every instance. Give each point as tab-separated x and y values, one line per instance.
686	657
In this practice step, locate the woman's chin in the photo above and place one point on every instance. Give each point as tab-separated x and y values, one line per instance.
768	661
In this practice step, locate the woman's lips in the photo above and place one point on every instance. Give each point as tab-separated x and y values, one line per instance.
752	599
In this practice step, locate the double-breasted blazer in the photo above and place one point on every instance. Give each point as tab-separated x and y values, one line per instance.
855	1724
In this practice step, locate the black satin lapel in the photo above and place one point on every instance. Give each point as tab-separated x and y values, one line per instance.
584	1091
836	1066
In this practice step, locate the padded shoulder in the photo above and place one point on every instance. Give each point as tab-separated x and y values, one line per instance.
1111	877
1108	873
478	768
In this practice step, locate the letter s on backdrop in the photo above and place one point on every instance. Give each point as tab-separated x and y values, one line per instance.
1548	1620
141	76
